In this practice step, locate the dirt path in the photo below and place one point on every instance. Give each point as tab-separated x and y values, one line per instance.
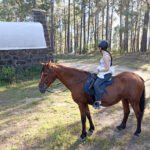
91	67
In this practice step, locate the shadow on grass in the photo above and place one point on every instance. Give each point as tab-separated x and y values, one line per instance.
67	137
108	137
15	97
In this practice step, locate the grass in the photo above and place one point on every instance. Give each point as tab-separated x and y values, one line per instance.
51	121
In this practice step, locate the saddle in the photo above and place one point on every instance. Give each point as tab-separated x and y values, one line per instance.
89	84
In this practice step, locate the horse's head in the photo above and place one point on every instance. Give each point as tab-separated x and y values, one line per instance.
48	76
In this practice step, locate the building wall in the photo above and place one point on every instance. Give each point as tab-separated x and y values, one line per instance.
24	58
27	58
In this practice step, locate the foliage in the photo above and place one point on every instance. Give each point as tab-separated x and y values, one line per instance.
11	74
7	74
29	73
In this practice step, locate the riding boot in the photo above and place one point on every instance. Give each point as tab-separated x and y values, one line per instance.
97	104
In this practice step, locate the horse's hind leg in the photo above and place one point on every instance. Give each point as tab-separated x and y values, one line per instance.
139	115
88	114
126	109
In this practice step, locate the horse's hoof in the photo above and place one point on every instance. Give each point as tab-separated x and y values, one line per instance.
121	127
90	132
83	137
137	133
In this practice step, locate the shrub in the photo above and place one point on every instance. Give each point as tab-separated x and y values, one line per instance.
7	74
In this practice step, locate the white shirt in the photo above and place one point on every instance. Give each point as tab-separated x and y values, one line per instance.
104	64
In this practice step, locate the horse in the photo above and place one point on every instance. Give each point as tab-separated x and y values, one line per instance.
127	87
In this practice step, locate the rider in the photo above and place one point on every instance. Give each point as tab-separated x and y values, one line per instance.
104	71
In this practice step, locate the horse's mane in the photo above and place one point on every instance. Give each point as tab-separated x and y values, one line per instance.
74	69
71	70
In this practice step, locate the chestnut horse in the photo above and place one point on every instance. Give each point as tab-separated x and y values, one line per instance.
127	87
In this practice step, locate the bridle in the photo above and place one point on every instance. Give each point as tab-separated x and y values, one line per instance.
75	82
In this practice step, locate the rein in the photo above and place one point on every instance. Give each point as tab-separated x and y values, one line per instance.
56	87
57	92
76	82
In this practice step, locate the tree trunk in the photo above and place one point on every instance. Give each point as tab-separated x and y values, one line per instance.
103	14
112	12
145	30
68	34
120	30
132	24
34	3
89	23
149	38
65	27
84	27
107	21
77	35
52	25
126	26
71	43
95	32
75	42
81	37
60	38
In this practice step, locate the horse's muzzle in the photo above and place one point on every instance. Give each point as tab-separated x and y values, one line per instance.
42	88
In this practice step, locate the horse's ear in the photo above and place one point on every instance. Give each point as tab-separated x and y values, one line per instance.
54	60
50	62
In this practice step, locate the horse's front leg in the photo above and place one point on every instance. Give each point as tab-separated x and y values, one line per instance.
88	114
82	108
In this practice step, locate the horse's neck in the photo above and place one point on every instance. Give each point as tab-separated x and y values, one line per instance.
69	76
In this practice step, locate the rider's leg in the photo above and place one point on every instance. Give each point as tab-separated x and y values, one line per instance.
98	92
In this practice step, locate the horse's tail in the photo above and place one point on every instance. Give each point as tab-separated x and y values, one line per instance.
142	100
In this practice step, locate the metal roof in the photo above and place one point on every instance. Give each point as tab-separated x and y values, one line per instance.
21	35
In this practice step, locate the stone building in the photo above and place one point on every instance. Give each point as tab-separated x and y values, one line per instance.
25	43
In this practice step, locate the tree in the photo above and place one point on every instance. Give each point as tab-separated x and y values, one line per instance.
84	26
52	26
121	26
111	24
68	33
145	28
126	31
74	13
89	8
107	21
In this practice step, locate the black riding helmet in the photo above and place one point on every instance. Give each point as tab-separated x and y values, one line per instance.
103	44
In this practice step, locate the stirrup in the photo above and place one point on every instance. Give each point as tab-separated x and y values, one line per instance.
97	104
